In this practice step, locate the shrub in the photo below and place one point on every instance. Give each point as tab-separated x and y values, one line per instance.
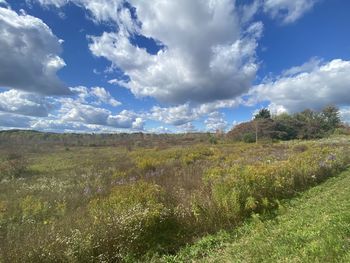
34	209
147	164
249	137
131	221
14	166
237	191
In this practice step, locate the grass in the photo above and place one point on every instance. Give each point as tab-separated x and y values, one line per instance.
314	227
117	204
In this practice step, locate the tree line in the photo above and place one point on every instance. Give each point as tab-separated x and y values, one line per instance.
308	124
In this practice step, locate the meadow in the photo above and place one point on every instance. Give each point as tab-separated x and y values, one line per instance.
312	227
112	202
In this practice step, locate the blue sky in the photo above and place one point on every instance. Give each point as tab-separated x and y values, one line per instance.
168	66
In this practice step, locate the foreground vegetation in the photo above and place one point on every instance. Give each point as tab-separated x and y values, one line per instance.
84	203
314	227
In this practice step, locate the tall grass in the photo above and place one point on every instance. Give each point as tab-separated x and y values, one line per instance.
111	205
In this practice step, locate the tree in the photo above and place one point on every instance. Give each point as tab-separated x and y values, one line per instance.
330	118
308	124
286	127
263	114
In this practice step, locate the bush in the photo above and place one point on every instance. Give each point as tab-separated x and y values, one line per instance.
131	221
147	164
249	137
236	191
14	166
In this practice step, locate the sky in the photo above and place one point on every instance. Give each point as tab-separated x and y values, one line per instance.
164	66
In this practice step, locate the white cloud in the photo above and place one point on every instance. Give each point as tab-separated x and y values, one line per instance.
76	111
328	83
216	121
206	108
276	109
55	125
82	93
188	127
207	54
103	96
288	11
206	61
177	115
249	11
29	54
160	130
99	10
309	66
126	119
94	95
345	114
58	125
121	83
56	3
24	103
185	113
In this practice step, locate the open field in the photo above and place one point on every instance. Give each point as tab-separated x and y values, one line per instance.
64	202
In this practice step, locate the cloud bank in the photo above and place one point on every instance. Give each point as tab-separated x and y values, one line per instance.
312	85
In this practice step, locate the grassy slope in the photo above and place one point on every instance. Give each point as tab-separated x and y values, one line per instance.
314	227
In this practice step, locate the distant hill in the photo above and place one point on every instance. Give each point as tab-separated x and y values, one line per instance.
32	137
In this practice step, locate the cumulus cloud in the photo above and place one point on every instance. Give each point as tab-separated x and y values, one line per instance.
55	125
99	10
78	113
325	84
312	64
29	54
345	114
206	56
160	130
188	127
94	95
177	115
103	96
81	93
275	109
58	125
126	119
75	111
216	121
288	11
56	3
24	103
186	113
